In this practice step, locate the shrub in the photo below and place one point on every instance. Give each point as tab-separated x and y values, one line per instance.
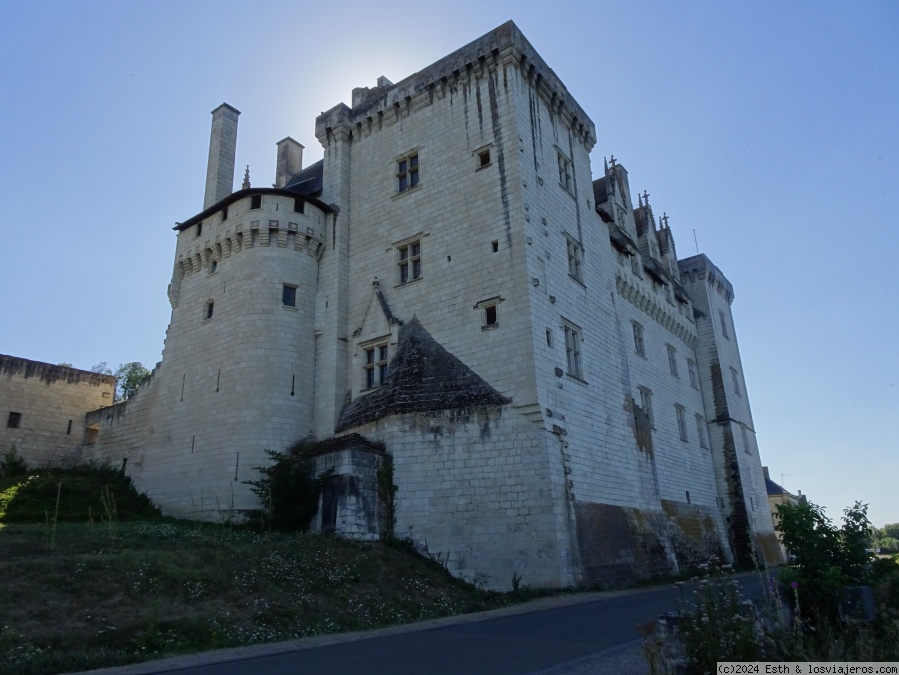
13	464
824	559
287	490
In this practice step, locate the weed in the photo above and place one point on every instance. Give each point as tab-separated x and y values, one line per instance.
110	514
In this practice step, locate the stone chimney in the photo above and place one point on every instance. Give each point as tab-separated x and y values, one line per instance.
290	161
222	149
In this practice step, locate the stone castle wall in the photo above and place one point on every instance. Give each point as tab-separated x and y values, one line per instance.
234	384
43	408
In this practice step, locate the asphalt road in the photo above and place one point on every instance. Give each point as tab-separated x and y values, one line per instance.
524	642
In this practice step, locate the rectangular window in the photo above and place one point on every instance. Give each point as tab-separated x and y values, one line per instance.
256	202
723	324
210	307
375	367
564	172
735	376
225	214
14	421
289	296
700	430
574	259
69	428
681	422
635	266
639	347
573	350
199	229
646	404
407	172
299	205
494	246
672	360
549	337
409	261
490	316
747	448
691	369
483	158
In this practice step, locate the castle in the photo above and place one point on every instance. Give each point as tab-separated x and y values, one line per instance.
561	396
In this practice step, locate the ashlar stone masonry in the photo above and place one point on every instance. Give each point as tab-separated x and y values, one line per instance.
562	398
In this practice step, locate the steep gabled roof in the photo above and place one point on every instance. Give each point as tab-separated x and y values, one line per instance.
422	377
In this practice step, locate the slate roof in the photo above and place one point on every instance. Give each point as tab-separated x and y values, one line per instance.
308	181
422	377
773	488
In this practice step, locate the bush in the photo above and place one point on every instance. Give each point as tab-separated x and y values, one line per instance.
13	464
824	559
287	490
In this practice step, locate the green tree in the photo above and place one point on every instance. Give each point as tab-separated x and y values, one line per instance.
129	377
825	559
65	364
102	368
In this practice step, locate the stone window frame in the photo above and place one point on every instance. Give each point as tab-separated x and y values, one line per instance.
208	310
255	202
14	421
575	258
672	359
635	266
574	339
408	171
490	307
694	375
566	174
407	257
701	431
744	434
639	341
286	295
723	321
646	404
375	362
681	414
483	157
735	377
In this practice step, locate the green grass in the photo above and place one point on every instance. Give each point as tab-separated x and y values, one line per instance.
153	587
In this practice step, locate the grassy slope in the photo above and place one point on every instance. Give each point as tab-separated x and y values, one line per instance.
128	589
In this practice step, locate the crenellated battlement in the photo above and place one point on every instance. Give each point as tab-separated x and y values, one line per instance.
501	49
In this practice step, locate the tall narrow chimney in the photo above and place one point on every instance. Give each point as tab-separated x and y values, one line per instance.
290	161
222	149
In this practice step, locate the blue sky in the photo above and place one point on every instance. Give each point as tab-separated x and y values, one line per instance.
769	128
